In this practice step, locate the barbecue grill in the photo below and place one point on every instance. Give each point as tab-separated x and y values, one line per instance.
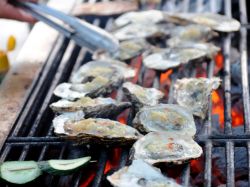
32	138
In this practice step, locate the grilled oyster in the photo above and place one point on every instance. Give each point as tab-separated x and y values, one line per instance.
140	174
93	69
194	92
169	147
140	96
173	57
215	21
165	117
60	120
141	30
96	87
149	16
99	107
98	130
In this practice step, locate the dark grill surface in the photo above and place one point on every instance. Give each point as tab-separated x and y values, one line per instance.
32	135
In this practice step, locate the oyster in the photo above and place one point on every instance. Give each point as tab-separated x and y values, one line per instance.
173	57
149	16
98	130
93	69
140	96
169	147
96	87
141	30
140	174
99	107
217	22
165	117
194	93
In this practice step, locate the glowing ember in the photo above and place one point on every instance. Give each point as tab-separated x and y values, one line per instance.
201	71
136	63
88	180
165	77
114	161
237	115
219	62
218	106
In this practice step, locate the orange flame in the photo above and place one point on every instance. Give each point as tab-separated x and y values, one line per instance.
219	62
114	161
218	106
237	115
164	77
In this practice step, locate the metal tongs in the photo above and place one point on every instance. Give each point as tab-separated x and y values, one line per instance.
83	33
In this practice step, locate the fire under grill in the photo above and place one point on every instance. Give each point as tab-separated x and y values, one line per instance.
224	134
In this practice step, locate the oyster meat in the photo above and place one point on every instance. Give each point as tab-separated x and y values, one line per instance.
217	22
168	147
98	130
96	87
98	107
165	117
149	16
194	93
140	96
173	57
140	174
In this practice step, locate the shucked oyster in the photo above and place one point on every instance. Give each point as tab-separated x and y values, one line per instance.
141	30
98	107
165	117
93	69
157	147
173	57
98	130
96	87
194	93
215	21
140	174
149	16
140	96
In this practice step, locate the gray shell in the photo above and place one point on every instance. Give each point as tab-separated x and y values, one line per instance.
165	117
140	174
168	147
173	57
98	107
194	93
140	96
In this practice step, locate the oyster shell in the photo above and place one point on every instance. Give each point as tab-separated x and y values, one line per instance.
149	16
194	93
98	130
98	107
169	147
165	117
140	174
141	30
96	87
140	96
217	22
173	57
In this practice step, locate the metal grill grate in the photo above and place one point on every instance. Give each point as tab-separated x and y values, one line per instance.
32	135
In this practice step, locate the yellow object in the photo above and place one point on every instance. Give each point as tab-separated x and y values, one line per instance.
11	44
4	62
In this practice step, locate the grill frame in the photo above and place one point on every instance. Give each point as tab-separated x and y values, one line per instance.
58	69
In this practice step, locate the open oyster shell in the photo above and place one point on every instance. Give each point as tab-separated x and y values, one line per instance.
149	16
165	117
98	107
140	96
194	93
169	147
173	57
96	87
215	21
140	174
97	130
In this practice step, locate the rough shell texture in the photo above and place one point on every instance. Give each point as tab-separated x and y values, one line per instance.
173	57
215	21
99	131
165	117
140	174
140	96
169	147
149	16
194	93
96	87
98	107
